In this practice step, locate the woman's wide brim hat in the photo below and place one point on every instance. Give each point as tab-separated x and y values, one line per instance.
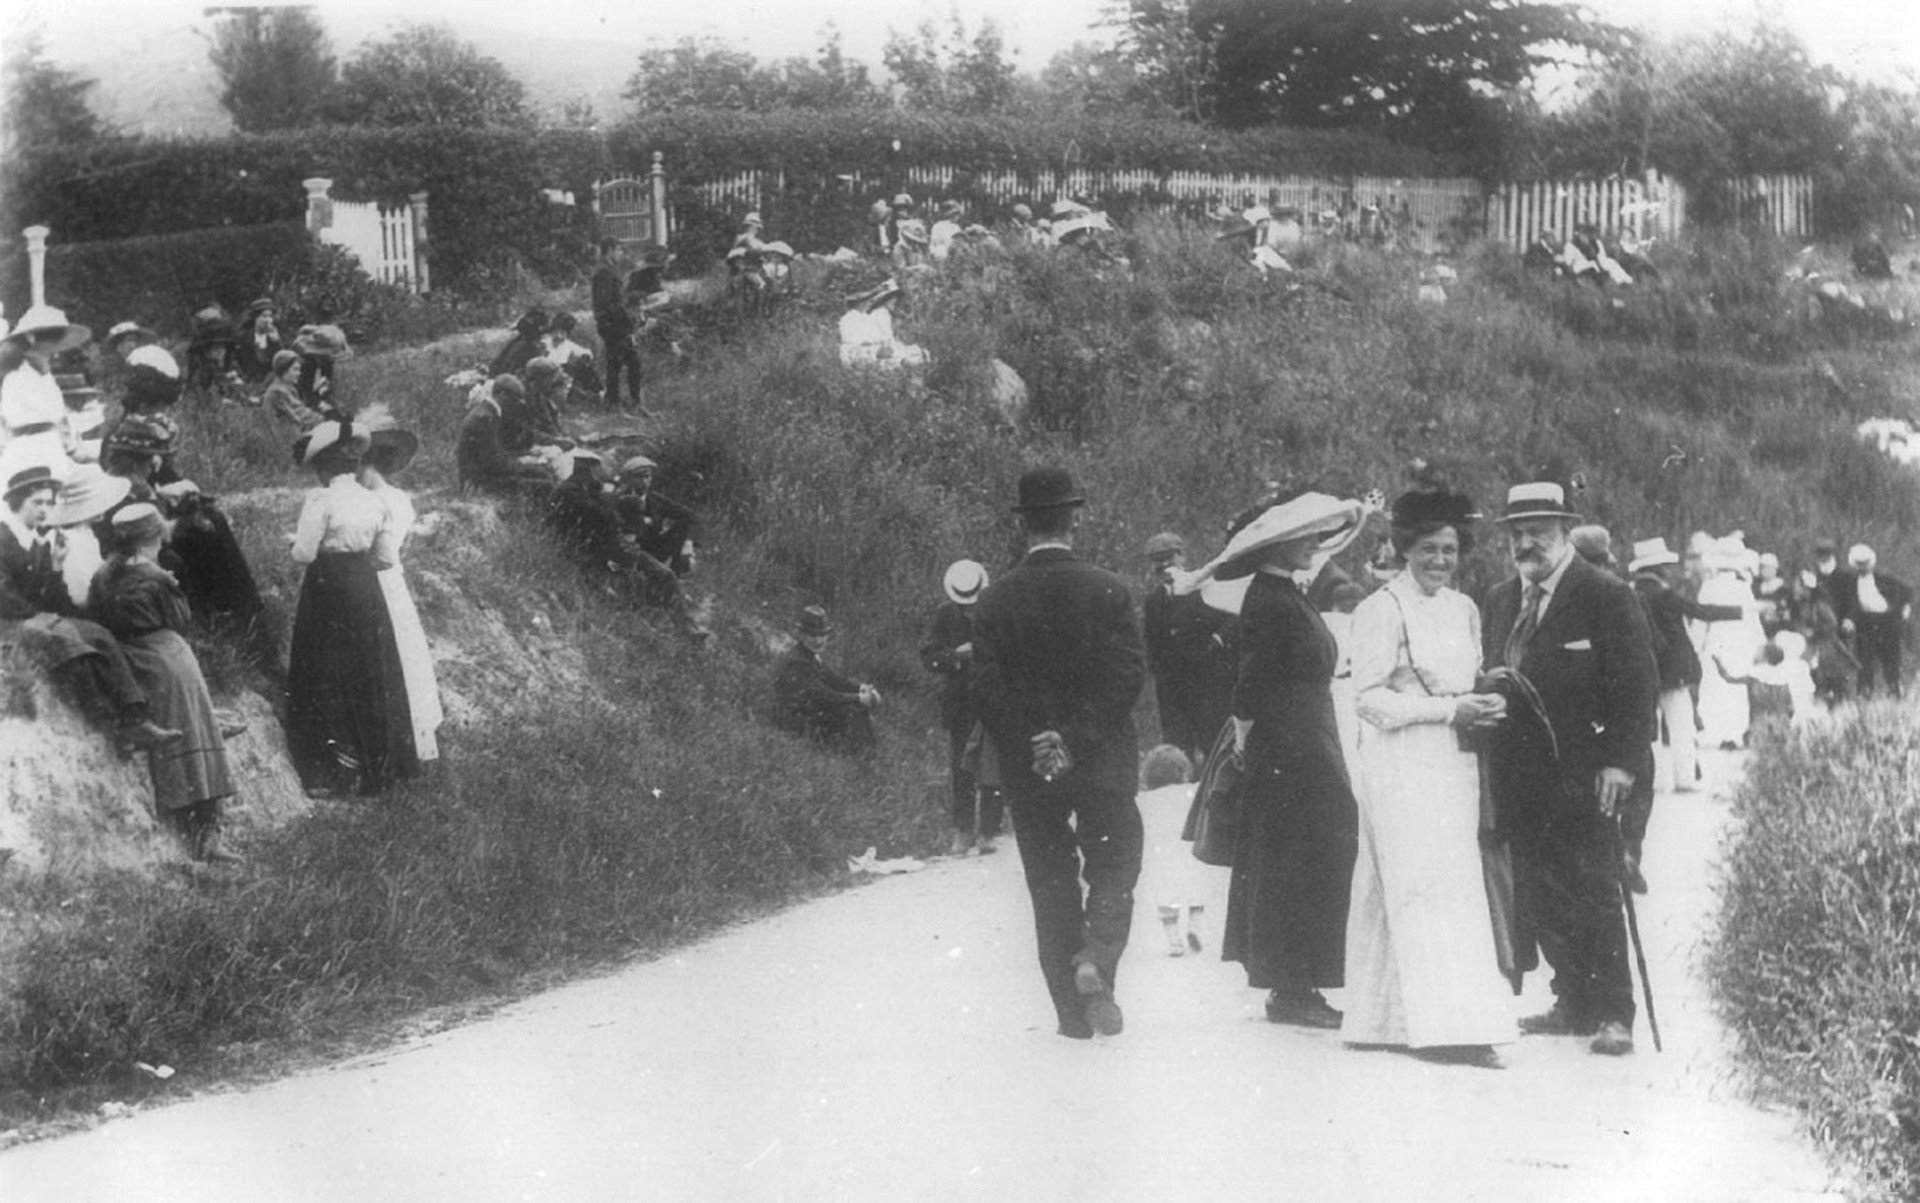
964	582
89	492
395	448
1538	499
43	320
1432	507
1233	227
1651	553
142	434
130	330
334	434
1323	518
157	358
886	290
328	342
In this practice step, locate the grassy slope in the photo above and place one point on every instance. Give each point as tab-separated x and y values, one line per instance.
641	802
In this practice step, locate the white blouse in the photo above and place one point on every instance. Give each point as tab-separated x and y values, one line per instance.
400	509
345	516
1413	654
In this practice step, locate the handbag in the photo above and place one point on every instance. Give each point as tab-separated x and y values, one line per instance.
1213	821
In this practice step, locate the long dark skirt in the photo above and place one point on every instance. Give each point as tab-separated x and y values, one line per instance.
194	768
213	570
1287	900
348	725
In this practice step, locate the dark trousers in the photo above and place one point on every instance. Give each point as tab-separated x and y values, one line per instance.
1567	875
1066	832
973	803
1877	641
1637	811
622	356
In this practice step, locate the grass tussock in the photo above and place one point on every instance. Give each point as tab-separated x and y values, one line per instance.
1817	969
606	789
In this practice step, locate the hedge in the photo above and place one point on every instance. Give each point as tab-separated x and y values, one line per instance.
161	279
484	186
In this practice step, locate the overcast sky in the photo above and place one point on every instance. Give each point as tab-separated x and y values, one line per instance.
1865	37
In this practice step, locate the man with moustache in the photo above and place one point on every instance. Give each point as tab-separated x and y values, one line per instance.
1562	766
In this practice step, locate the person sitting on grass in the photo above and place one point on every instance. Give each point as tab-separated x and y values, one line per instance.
282	398
583	371
527	342
814	701
585	516
142	605
82	657
480	452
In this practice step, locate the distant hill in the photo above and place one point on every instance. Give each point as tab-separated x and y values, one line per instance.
156	79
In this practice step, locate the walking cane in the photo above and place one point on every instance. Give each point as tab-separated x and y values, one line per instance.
1639	953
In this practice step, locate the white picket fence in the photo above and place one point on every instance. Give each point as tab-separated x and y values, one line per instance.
1430	214
388	242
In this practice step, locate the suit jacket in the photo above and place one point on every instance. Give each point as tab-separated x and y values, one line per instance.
1898	596
1591	660
812	699
29	583
1057	648
1667	611
951	626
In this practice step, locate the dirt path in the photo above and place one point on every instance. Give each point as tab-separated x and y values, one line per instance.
895	1043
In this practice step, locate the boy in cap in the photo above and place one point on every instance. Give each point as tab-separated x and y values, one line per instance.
1189	647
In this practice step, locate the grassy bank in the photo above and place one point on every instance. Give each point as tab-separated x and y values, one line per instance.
1817	970
608	790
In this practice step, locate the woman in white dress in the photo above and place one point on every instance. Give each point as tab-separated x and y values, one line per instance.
1724	713
389	453
1421	969
34	427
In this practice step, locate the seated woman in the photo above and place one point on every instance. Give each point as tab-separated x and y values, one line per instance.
81	656
203	552
140	602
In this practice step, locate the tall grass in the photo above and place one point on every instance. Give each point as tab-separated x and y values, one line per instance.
607	788
1817	970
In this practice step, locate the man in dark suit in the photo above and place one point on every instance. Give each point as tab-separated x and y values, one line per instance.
947	651
813	700
1058	665
1561	773
1656	580
1879	607
1190	653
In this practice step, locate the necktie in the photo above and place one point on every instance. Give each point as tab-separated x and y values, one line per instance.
1523	625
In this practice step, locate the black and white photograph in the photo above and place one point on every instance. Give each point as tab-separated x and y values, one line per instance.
1114	601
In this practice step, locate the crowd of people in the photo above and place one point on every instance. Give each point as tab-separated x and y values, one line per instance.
1438	795
112	563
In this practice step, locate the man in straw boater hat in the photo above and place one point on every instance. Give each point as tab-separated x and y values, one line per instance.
1058	665
1579	670
947	651
1655	569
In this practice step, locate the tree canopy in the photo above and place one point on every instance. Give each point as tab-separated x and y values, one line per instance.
962	72
424	75
706	73
276	66
45	105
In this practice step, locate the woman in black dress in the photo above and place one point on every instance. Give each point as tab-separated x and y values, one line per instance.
348	724
1293	865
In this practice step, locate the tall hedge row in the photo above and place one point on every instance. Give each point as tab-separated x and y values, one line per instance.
485	185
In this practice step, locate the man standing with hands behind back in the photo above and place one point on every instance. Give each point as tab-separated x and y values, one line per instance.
1059	665
1560	772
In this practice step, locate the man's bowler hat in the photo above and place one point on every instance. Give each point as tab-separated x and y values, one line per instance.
814	623
1047	488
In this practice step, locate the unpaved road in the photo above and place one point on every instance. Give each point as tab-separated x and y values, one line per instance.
895	1043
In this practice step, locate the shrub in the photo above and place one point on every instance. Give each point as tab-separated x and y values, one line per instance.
1815	967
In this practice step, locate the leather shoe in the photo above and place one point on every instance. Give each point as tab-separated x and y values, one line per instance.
1557	1021
147	735
1076	1030
1308	1010
1614	1040
1103	1014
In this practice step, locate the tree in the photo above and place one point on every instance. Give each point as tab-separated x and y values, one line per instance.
45	105
276	66
423	75
830	81
700	73
1171	60
1432	72
966	73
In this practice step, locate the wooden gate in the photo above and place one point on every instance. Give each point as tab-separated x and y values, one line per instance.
625	212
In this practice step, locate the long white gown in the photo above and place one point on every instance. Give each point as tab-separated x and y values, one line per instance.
1724	712
416	657
1421	966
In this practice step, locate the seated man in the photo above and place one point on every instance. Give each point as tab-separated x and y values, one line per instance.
83	657
524	345
660	527
481	454
583	515
811	699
